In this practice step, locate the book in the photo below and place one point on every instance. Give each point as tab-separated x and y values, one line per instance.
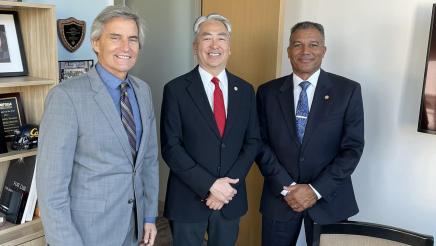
16	189
31	200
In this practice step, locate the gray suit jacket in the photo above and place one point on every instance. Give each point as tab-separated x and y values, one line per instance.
86	178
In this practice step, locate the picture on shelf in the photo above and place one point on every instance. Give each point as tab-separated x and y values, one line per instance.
12	114
4	49
72	68
12	55
3	145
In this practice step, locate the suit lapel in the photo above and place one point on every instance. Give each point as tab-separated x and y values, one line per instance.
318	107
198	95
141	98
286	100
106	104
233	103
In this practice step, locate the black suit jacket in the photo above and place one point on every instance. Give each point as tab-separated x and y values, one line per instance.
194	150
331	148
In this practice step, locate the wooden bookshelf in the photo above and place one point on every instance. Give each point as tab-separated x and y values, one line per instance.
7	82
16	154
38	30
25	234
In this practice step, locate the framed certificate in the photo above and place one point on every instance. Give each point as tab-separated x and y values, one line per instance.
12	114
72	68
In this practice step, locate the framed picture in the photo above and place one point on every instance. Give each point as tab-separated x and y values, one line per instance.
12	55
72	68
12	113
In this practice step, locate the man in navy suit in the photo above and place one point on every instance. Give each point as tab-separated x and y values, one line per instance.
312	127
210	138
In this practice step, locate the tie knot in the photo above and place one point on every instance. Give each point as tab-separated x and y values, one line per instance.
123	86
215	81
304	85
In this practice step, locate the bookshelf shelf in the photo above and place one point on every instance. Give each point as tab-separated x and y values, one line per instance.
38	30
11	234
16	154
24	81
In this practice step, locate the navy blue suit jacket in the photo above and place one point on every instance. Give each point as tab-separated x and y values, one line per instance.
195	152
331	148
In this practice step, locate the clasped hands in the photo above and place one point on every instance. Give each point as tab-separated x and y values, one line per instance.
221	192
300	197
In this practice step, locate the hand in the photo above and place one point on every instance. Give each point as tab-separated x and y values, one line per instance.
213	203
300	197
223	190
149	234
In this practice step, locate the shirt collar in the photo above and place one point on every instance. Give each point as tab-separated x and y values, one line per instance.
206	76
313	79
109	79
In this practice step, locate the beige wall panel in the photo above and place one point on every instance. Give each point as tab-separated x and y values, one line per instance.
256	36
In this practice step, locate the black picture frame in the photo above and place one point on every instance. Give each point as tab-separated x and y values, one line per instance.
12	113
72	68
12	54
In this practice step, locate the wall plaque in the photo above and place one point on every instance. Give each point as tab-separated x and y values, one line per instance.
71	32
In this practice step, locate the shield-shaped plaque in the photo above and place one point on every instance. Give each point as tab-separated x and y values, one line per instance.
71	33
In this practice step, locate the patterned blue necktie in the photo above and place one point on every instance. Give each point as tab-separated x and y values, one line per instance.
302	110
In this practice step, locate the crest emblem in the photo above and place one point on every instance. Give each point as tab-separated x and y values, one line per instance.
71	32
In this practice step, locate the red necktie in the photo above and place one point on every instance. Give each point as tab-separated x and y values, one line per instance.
218	106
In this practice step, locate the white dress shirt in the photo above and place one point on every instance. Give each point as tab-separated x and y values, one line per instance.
209	87
310	91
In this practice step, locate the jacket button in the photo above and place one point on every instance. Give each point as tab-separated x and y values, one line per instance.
223	145
301	159
131	201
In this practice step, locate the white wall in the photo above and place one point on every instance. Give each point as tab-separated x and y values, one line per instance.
382	45
167	52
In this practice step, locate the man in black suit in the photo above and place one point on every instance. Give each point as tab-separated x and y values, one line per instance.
210	138
312	127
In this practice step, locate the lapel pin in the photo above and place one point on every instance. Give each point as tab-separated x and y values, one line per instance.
235	88
326	97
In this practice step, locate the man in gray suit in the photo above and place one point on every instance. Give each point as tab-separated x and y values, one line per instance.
97	172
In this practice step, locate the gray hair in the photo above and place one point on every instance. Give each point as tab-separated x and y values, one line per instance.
307	25
112	12
216	17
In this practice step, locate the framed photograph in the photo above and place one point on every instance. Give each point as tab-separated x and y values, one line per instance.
72	68
12	113
12	55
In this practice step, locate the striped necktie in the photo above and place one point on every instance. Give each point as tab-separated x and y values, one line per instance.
302	111
127	118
